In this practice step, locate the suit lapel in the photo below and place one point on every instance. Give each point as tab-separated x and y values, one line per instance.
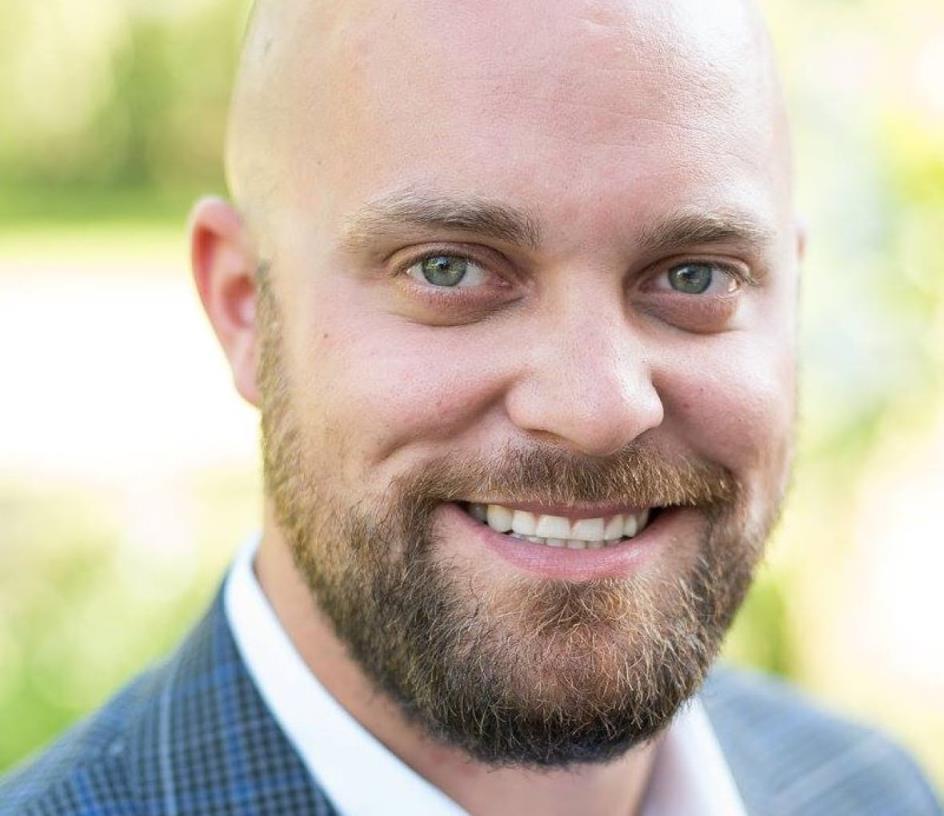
209	745
745	748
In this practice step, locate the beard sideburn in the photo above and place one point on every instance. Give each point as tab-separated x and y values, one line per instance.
534	672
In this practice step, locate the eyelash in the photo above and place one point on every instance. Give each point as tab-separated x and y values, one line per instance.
456	293
742	277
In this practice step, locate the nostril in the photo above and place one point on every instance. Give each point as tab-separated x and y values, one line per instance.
597	424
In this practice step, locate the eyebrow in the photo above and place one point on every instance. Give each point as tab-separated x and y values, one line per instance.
390	214
687	229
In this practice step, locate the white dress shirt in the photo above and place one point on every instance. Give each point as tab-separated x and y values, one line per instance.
361	777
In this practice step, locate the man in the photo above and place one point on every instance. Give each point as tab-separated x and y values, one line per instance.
514	286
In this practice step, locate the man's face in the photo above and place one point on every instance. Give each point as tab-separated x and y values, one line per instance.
529	266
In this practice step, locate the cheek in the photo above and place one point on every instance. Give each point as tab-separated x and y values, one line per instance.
737	406
390	388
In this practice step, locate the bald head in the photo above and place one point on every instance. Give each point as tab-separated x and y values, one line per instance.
513	236
330	91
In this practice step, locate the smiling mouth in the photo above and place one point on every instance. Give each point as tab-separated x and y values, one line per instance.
573	533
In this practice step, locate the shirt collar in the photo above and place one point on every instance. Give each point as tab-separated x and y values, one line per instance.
690	774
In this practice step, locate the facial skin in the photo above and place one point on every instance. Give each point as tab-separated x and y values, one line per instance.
579	170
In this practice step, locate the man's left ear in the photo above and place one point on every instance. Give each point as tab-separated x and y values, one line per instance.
801	237
224	268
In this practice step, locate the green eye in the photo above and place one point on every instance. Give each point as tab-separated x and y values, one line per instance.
692	278
444	270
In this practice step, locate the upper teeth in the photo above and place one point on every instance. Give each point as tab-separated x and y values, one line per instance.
602	528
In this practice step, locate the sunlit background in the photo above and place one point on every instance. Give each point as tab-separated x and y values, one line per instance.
128	465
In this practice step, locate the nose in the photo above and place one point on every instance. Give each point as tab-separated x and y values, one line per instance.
585	384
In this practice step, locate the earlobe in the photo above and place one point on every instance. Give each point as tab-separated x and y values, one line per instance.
224	263
801	238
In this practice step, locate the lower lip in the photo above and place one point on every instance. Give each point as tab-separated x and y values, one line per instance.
615	561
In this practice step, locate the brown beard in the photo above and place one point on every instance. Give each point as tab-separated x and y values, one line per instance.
541	673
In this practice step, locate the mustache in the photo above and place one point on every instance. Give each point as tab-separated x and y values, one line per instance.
638	475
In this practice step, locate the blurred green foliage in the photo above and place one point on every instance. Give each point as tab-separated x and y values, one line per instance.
113	119
82	608
115	93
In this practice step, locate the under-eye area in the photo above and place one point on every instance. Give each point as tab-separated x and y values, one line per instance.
575	533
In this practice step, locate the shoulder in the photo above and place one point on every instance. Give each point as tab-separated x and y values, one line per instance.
110	761
799	758
87	768
192	735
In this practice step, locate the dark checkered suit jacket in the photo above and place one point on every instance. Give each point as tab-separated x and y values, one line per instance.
192	736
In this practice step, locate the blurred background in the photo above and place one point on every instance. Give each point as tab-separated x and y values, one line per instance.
128	465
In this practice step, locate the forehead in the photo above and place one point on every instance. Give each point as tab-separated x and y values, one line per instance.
586	112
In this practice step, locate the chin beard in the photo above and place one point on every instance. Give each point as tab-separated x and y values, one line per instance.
533	673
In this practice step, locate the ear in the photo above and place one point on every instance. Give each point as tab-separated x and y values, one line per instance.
224	269
801	239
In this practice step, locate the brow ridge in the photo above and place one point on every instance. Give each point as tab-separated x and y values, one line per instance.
480	216
476	215
700	227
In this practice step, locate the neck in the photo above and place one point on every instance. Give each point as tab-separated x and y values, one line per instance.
614	787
